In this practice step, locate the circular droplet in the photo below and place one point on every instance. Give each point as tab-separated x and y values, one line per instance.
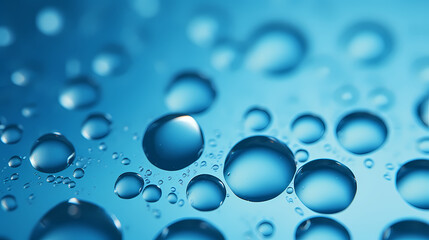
29	111
190	93
8	203
11	134
152	193
129	185
190	229
78	173
423	145
80	93
80	219
361	132
203	29
173	142
412	181
275	49
301	155
257	119
172	198
381	98
308	128
49	21
225	56
321	228
259	168
368	43
14	176
423	110
266	228
50	178
369	163
111	61
325	186
52	153
23	76
407	230
6	36
289	190
14	162
205	192
96	126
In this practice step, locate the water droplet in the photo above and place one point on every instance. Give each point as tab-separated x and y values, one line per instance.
308	128
72	184
52	153
381	98
325	186
369	163
346	95
73	217
111	61
6	36
152	193
289	190
321	228
66	180
190	229
389	166
423	110
190	93
180	202
412	180
205	192
225	56
79	93
49	21
173	142
266	228
301	155
15	162
59	179
215	167
156	213
78	173
259	168
129	185
8	203
26	186
14	176
29	110
102	146
23	76
422	145
50	178
96	126
11	134
368	43
204	29
299	211
361	132
172	198
275	49
115	155
126	161
257	119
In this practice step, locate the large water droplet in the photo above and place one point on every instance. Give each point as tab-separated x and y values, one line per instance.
361	132
79	93
259	168
266	228
11	134
412	181
129	185
308	128
205	192
8	203
368	43
173	142
276	49
111	61
152	193
190	93
257	119
423	110
407	230
76	219
96	126
321	228
52	153
325	186
49	21
190	229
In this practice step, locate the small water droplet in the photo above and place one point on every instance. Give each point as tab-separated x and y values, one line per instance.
308	128
289	190
172	198
96	126
299	211
225	56
72	184
129	185
148	172
346	95
50	178
23	76
102	146
257	119
49	21
14	162
156	213
8	203
115	155
320	228
126	161
152	193
389	166
11	134
387	176
369	163
301	155
14	176
79	93
266	228
111	61
78	173
205	192
181	202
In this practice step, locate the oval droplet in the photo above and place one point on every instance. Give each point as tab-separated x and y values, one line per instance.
6	36
308	128
190	93
321	228
111	61
96	126
266	228
172	198
76	218
11	134
259	168
257	119
52	153
78	173
205	192
129	185
152	193
412	181
325	186
49	21
361	132
190	229
423	110
79	93
8	203
173	142
14	162
407	230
